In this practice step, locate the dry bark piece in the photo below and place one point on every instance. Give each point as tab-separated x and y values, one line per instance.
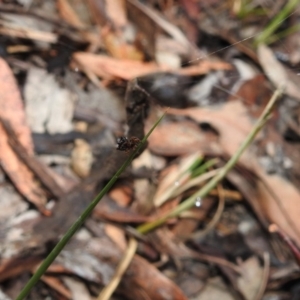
48	106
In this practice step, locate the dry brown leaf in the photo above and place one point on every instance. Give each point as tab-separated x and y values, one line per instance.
215	289
12	110
57	285
250	281
108	68
78	288
276	72
172	139
233	124
231	120
122	195
204	67
151	283
117	235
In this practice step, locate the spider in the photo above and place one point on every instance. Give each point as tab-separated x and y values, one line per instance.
127	144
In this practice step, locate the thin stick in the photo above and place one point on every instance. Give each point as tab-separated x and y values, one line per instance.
190	202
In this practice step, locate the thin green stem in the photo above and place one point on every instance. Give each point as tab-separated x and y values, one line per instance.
79	222
276	22
282	34
190	202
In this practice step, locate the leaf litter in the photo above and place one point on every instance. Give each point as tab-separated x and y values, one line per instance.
63	84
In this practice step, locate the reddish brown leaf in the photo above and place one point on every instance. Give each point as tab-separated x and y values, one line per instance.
12	110
149	283
108	68
179	138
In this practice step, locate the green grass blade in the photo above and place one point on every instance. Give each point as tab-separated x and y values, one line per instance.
276	22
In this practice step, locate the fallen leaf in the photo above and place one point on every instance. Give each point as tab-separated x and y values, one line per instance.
215	289
12	110
79	290
121	194
276	72
150	283
57	285
117	235
250	281
107	67
109	210
176	138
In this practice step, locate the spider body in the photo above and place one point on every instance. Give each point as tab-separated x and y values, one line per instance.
127	144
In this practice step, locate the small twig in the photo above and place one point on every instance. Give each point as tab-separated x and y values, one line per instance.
121	269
